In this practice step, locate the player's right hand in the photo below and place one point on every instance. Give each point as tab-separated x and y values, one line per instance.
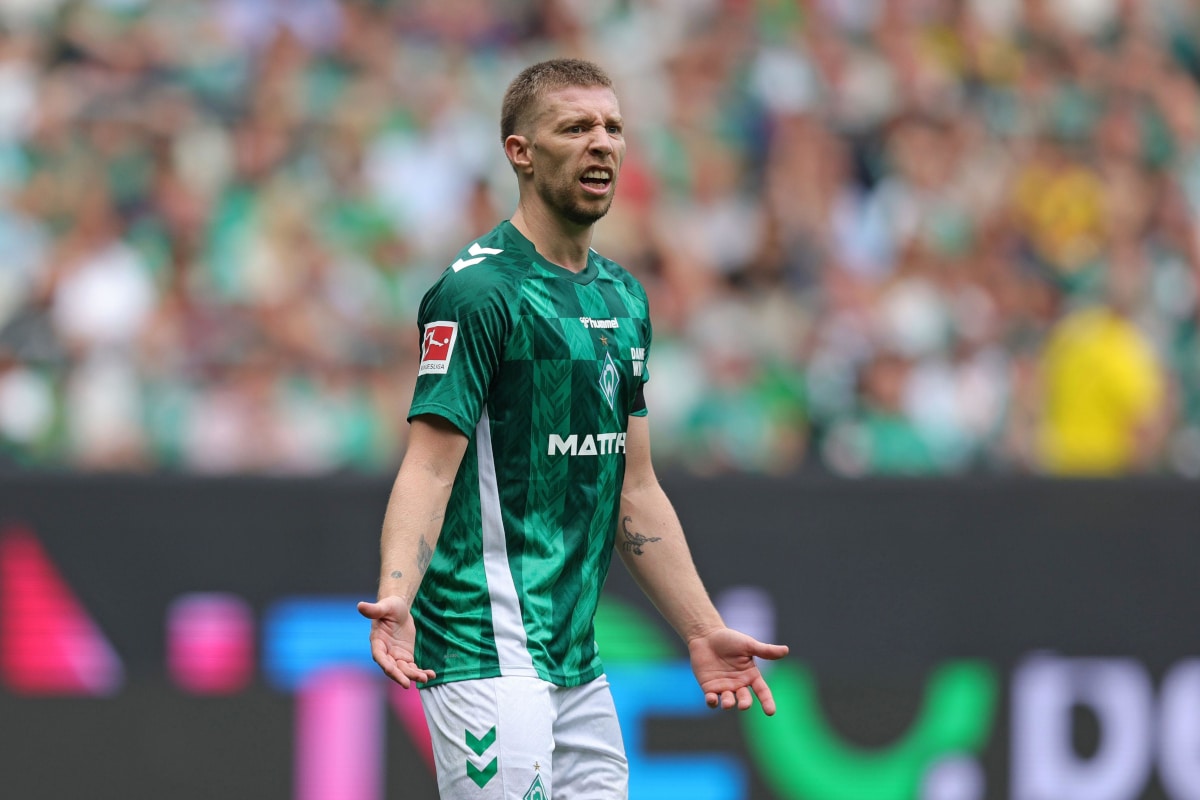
393	640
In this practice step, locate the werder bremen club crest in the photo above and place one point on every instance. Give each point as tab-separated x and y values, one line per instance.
609	379
536	790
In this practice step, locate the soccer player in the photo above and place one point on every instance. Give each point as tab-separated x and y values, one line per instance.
528	464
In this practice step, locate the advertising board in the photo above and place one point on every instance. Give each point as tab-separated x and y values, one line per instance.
965	640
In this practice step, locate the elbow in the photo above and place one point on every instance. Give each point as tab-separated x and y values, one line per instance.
428	475
636	488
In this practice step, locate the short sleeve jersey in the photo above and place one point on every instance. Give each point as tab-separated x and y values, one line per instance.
541	368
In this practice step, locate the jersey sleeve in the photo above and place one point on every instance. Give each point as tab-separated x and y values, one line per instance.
639	404
463	325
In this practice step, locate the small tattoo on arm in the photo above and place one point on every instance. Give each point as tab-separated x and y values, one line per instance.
424	555
397	574
633	540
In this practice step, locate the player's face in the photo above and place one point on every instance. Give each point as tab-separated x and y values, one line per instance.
577	149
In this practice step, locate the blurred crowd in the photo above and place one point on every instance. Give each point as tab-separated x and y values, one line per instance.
900	237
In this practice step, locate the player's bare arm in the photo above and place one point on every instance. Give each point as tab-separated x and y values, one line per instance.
411	528
652	545
634	542
424	553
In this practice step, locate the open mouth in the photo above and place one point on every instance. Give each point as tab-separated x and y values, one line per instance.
597	180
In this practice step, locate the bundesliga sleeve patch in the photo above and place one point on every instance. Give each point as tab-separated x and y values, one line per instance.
436	347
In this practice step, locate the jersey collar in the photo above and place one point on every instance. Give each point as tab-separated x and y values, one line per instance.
585	276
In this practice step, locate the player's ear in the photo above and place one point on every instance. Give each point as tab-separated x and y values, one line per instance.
519	151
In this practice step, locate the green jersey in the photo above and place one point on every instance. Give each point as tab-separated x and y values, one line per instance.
541	368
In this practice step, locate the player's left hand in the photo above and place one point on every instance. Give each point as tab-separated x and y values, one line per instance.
723	662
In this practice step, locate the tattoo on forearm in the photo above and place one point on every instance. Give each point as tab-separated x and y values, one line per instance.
634	541
424	555
396	574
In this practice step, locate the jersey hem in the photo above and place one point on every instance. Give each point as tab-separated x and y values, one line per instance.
563	681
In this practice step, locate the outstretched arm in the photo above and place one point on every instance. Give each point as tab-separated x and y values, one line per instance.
651	542
412	525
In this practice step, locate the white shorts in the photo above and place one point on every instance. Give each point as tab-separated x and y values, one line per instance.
526	739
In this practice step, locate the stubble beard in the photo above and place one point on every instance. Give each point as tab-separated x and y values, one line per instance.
562	201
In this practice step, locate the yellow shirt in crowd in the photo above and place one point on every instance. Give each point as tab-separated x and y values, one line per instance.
1102	386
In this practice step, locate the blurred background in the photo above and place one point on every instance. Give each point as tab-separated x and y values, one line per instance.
949	241
929	237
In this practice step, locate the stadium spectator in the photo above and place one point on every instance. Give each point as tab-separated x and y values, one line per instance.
213	206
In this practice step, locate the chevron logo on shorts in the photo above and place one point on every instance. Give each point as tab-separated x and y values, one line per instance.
536	790
478	745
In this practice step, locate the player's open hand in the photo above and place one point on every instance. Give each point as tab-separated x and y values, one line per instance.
723	661
393	639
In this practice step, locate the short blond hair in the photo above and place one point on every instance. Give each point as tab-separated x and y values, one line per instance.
528	88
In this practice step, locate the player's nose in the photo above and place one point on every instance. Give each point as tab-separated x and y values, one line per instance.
601	143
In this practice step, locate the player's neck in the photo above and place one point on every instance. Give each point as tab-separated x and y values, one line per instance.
556	241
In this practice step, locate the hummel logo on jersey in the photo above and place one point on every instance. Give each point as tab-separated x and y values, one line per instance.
436	347
479	252
588	322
